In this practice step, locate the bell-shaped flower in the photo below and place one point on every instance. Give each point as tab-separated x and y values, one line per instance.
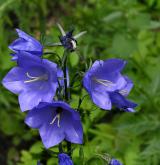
56	122
115	162
26	43
34	80
64	159
103	81
67	40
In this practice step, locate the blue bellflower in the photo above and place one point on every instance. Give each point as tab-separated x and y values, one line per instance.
64	159
34	79
115	162
26	43
67	40
56	122
107	86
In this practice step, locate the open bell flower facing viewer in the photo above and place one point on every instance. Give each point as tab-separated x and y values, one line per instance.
56	122
33	79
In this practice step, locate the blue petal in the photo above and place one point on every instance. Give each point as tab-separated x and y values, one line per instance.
72	127
115	162
114	65
87	82
26	59
108	66
26	43
14	57
30	98
64	159
28	38
14	80
127	88
51	135
101	99
24	35
37	117
121	102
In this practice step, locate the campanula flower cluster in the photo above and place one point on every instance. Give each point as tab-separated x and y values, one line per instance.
36	81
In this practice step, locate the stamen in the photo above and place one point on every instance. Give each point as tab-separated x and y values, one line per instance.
106	83
28	75
34	78
54	119
123	92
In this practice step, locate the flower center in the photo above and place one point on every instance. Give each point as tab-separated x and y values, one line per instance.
58	116
36	78
106	83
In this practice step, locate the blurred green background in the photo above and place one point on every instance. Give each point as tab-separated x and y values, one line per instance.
127	29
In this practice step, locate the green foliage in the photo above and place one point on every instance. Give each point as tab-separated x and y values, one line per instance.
127	29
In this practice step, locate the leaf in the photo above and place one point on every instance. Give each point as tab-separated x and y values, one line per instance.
122	45
74	59
139	21
113	16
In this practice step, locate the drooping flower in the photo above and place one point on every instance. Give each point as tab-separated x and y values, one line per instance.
64	159
67	40
115	162
107	86
56	122
26	43
34	79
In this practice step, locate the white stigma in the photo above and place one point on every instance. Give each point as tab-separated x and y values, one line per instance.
74	45
36	78
54	119
106	83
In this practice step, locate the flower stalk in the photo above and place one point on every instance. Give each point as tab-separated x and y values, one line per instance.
64	68
66	94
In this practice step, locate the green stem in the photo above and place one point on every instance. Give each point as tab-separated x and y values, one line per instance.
69	149
64	68
60	148
66	94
